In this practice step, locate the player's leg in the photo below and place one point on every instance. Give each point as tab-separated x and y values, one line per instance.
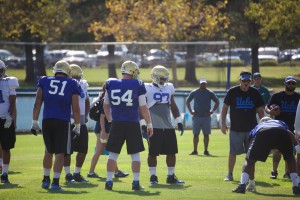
206	129
67	168
276	160
99	148
196	132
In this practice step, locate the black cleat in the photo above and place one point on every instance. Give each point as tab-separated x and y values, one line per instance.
296	190
274	175
172	179
78	178
287	175
206	153
69	178
194	153
136	185
4	178
121	174
153	180
108	185
240	189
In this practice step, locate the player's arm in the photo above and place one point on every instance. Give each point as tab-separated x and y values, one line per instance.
223	118
146	114
106	107
12	107
174	108
75	108
217	103
188	105
37	104
260	111
87	106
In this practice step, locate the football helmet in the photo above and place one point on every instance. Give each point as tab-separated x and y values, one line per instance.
62	67
76	71
131	68
2	69
160	75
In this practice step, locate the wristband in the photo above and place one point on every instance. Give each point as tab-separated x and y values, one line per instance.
142	122
149	125
34	121
178	119
103	141
77	125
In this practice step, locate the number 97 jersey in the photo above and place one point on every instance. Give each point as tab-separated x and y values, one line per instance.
156	95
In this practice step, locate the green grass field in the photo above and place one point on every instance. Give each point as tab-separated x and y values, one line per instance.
272	76
203	175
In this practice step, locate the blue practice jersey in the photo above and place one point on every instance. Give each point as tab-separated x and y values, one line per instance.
57	96
124	98
268	124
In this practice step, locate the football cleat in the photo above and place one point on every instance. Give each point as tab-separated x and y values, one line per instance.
69	178
55	187
296	190
76	71
4	178
206	153
62	67
160	75
194	153
2	69
108	185
274	175
229	177
93	175
46	183
172	179
240	189
136	186
251	186
131	68
287	175
153	180
78	178
121	174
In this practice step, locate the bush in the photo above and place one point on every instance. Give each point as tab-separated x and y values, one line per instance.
223	63
268	63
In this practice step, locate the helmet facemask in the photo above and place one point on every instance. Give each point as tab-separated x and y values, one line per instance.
2	70
160	75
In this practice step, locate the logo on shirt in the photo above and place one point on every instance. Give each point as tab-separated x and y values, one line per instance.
241	103
285	106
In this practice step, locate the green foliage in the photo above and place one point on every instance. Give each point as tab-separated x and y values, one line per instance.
268	63
223	63
203	175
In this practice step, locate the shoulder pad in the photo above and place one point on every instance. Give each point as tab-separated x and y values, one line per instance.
13	82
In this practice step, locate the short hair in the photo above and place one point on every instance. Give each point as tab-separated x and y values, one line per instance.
245	72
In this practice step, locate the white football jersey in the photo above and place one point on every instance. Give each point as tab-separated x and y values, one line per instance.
8	87
84	86
159	95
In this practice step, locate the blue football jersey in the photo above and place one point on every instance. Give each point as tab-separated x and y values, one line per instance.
57	96
267	124
124	98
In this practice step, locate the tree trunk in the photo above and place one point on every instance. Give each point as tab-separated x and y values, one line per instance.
254	34
254	57
39	59
111	57
190	68
29	64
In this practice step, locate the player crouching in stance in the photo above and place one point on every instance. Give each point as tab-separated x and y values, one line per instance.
122	102
160	103
79	144
267	135
8	97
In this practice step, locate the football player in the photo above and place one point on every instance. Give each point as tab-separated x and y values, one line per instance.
80	144
160	102
122	101
58	93
8	97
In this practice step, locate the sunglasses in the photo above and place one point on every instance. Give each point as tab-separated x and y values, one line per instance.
246	81
291	83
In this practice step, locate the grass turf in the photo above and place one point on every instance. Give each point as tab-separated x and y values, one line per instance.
203	175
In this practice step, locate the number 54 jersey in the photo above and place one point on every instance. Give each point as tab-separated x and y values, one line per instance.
57	96
158	102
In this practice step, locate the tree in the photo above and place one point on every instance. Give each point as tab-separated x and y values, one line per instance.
168	20
34	21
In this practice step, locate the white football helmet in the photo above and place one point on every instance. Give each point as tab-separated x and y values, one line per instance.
2	69
160	75
76	71
264	119
131	68
62	67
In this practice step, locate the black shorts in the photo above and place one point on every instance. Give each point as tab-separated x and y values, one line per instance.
81	143
268	139
57	136
125	131
7	135
163	141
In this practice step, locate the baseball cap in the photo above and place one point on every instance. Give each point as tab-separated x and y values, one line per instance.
289	78
202	80
245	76
256	75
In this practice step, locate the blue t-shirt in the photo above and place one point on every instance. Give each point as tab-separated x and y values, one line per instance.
202	101
124	98
57	96
267	124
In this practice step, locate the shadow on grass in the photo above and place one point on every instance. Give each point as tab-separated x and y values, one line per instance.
266	184
276	195
169	186
66	191
10	186
13	172
138	193
80	185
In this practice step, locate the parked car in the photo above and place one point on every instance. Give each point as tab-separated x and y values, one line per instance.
78	57
225	55
120	50
268	53
10	60
57	55
245	54
159	57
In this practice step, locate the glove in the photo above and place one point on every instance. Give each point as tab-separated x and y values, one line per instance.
144	132
297	148
8	121
76	131
107	127
180	128
35	127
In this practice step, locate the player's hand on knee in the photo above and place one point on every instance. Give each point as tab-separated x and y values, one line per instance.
8	121
35	127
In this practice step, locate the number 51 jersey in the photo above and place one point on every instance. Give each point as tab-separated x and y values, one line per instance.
57	96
